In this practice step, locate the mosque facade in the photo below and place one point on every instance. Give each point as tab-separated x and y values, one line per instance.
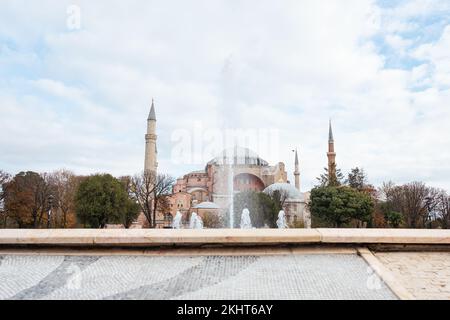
234	170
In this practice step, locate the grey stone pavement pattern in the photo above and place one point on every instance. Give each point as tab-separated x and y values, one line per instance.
56	279
285	277
426	275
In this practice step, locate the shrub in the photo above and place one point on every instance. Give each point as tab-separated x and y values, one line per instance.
212	220
338	206
102	199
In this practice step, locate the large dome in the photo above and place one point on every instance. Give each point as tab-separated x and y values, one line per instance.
207	205
238	156
286	188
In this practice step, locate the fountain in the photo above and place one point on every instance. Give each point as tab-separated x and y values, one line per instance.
246	222
281	222
199	223
231	193
176	223
195	222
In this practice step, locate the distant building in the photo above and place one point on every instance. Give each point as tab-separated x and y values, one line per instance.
213	184
151	152
234	170
295	203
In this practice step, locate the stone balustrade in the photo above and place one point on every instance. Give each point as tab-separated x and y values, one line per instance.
161	237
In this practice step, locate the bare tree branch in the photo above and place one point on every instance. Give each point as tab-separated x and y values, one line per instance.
148	189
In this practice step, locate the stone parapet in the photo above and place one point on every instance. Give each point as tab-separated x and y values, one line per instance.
385	236
235	237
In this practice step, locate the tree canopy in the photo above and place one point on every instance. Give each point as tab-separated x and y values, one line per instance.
150	190
357	179
325	180
102	199
26	198
338	206
419	205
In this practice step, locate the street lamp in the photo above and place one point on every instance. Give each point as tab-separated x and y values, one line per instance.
429	216
49	213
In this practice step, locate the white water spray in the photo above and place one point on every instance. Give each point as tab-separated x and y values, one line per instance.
246	222
195	222
231	193
281	222
176	223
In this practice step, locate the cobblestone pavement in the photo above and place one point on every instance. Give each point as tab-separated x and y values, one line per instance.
425	274
295	276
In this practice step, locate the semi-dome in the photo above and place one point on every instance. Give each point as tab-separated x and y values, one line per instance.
286	188
238	156
207	205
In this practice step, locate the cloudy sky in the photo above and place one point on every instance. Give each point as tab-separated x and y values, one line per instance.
77	79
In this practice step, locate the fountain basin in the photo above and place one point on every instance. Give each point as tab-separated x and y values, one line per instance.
164	237
155	237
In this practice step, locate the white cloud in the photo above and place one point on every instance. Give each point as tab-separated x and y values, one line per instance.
417	8
437	55
83	101
398	43
59	89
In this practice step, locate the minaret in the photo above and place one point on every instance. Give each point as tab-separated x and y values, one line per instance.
297	172
150	142
331	154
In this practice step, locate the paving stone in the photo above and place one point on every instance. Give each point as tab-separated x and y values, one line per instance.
294	276
57	279
18	273
424	274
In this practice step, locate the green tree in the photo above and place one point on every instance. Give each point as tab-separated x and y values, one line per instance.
131	213
337	206
102	199
334	181
211	220
392	218
279	197
357	179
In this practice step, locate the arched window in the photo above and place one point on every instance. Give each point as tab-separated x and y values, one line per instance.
246	181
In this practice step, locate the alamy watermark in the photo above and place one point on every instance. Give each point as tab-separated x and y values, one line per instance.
75	280
199	144
374	282
73	21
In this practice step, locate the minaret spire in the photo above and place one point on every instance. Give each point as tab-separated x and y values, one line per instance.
330	133
331	155
152	114
297	171
151	163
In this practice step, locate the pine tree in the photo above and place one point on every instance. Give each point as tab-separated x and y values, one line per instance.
334	181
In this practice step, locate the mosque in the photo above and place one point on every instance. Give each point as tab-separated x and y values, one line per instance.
234	170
